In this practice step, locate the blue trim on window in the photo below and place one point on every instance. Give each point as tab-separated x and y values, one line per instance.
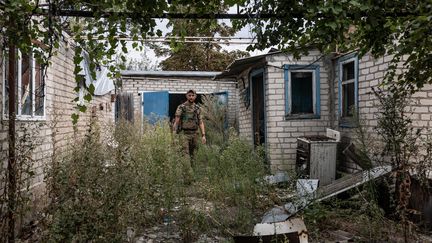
341	60
317	112
287	97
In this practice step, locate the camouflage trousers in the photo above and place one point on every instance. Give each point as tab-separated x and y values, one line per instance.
189	145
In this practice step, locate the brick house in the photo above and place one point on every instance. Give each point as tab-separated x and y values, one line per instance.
282	98
160	92
45	106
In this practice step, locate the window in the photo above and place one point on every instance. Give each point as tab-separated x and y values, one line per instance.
302	87
30	87
348	85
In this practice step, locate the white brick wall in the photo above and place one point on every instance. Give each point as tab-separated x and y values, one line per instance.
136	85
371	74
56	130
281	140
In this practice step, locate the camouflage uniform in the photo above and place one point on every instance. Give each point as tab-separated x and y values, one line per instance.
190	118
189	115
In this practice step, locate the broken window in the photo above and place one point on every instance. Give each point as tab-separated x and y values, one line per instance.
302	91
348	83
30	86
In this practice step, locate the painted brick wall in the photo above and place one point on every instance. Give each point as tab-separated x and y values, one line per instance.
245	112
371	74
136	85
56	130
282	133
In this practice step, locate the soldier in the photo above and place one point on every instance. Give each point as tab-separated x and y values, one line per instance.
188	119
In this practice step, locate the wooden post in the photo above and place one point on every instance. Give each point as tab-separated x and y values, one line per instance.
11	188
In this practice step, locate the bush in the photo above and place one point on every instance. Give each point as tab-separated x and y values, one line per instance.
232	177
98	190
136	176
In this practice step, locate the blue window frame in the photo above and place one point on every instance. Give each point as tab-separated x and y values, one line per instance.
348	88
302	91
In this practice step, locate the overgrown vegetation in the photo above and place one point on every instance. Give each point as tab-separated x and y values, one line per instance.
359	215
138	179
396	141
27	141
407	148
101	189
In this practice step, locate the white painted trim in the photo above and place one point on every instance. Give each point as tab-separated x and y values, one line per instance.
19	116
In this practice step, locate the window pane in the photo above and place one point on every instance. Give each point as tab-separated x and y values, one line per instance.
26	86
348	99
39	90
348	71
301	92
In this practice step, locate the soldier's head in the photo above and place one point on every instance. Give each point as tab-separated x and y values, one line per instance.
191	96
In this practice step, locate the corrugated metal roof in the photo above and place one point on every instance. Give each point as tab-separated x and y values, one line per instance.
201	74
239	65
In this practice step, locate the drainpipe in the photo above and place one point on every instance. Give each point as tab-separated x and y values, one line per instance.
11	160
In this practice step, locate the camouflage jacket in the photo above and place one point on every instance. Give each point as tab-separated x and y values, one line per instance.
190	116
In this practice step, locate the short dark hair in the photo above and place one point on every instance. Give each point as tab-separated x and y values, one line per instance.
191	91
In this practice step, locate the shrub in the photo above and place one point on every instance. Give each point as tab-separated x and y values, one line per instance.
101	190
135	177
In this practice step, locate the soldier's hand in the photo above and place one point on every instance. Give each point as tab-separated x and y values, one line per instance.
203	140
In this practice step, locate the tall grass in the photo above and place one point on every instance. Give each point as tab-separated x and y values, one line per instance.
135	176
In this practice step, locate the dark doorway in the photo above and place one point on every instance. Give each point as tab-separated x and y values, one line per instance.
258	118
177	99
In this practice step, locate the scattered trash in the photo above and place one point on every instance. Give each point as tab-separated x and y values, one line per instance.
276	214
308	191
307	187
277	178
291	230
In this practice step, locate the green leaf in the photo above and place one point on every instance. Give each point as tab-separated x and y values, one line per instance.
91	89
75	118
82	108
88	97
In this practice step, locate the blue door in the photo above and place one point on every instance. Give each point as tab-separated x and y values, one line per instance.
155	105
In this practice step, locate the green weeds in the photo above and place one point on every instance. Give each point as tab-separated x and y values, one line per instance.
135	177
